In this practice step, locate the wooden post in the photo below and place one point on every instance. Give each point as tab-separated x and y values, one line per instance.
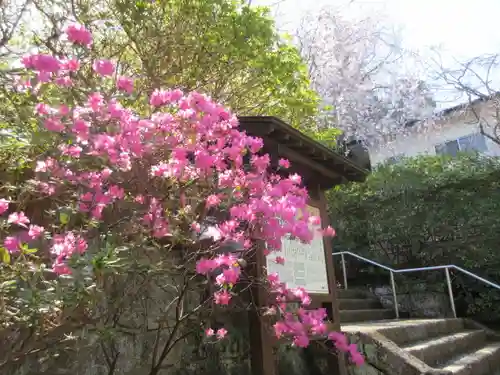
321	169
262	359
330	269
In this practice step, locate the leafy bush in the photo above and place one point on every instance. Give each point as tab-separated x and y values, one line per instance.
425	211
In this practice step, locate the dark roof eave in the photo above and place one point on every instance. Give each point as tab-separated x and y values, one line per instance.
353	172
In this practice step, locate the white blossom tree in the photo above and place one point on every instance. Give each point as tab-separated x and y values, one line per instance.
358	68
476	82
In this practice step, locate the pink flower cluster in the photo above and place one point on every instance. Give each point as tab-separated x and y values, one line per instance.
63	247
78	34
186	138
14	243
302	324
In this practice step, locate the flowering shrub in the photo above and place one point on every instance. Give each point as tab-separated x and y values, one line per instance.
146	177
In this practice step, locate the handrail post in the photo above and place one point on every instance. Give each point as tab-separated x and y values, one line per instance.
394	295
343	270
450	292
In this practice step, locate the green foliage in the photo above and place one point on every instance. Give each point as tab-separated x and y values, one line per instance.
428	211
224	48
16	111
325	136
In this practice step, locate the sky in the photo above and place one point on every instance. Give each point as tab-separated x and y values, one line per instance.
459	29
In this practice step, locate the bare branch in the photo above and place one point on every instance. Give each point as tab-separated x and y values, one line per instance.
478	80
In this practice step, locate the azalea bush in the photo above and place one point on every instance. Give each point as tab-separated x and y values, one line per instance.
131	195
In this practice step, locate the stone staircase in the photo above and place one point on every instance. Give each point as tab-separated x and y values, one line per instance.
357	306
416	346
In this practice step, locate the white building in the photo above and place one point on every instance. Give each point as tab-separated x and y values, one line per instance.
452	130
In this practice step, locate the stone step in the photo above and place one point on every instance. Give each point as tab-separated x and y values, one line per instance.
438	350
351	294
483	361
410	331
359	304
348	316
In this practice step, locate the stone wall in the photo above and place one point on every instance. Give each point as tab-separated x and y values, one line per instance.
316	359
192	357
128	326
128	348
230	357
416	303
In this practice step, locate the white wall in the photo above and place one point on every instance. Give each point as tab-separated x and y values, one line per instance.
424	140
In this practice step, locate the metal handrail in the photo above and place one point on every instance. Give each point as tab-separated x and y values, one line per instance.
406	270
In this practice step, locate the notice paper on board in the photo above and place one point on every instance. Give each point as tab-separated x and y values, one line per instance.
305	264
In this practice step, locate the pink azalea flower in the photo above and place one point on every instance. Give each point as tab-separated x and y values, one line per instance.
315	220
356	357
231	275
280	260
18	218
104	67
301	341
196	227
328	232
72	65
64	81
157	98
209	332
284	163
63	110
53	124
35	231
222	298
125	84
213	200
42	63
296	179
204	266
4	205
42	109
78	34
221	333
44	76
12	244
61	268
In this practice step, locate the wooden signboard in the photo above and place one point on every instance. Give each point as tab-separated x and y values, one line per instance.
311	265
305	264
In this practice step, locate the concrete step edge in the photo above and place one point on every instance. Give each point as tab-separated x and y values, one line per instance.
478	362
407	332
440	349
353	293
365	315
366	310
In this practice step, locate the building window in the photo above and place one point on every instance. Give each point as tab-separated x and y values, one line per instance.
474	142
471	143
